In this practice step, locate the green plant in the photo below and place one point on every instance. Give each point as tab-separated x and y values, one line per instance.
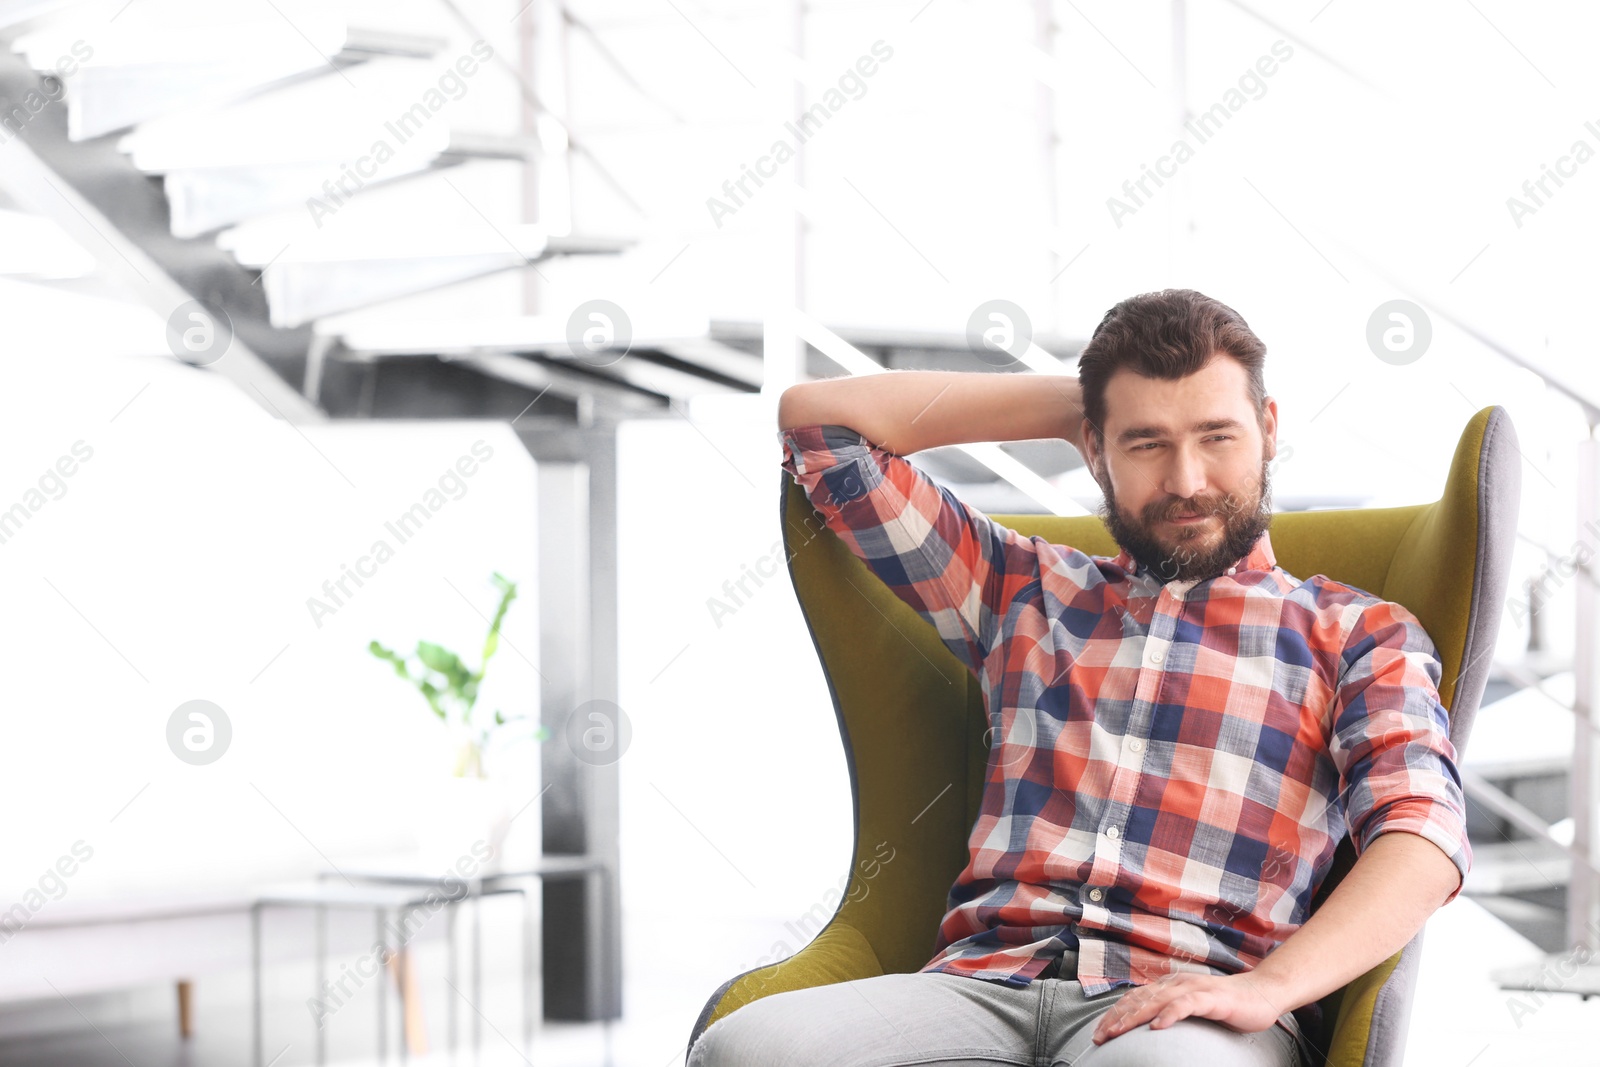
451	690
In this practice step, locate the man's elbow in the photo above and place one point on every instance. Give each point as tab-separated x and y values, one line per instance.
814	403
793	407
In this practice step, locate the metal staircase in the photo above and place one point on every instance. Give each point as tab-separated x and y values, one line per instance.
282	166
272	178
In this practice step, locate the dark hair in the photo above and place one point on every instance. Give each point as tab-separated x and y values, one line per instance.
1170	334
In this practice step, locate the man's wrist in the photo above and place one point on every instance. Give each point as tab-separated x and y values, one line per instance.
1278	988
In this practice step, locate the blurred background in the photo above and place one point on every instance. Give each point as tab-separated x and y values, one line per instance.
393	399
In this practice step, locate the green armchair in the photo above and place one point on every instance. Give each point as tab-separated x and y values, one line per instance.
913	722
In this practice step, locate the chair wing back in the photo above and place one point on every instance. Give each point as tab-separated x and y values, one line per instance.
913	723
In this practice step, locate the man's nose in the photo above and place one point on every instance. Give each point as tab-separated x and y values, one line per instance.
1186	475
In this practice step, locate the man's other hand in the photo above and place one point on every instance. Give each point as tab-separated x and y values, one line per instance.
1241	1002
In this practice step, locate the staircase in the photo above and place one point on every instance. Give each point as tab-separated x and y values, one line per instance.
1521	752
293	175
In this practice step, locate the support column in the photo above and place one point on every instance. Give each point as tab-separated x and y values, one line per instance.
577	596
1583	892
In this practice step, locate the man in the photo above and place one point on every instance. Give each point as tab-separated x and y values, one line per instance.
1186	731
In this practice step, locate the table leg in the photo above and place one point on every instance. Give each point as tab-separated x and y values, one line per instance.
414	1030
527	967
322	979
477	976
383	992
454	977
185	1009
255	984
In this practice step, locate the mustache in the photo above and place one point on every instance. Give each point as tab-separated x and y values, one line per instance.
1192	507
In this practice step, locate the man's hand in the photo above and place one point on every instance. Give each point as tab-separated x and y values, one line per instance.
1242	1002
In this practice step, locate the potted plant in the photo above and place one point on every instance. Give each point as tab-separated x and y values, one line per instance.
472	810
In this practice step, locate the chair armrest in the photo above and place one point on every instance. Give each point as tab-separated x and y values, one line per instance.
838	954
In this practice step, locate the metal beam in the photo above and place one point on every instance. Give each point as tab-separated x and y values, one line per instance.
578	615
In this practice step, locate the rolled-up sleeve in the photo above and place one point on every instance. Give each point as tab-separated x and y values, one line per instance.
1391	738
952	564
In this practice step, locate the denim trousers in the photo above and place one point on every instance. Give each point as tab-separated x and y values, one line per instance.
935	1018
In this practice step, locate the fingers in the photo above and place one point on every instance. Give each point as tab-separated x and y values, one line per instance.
1164	1001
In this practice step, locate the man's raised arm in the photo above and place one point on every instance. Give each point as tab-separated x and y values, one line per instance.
907	411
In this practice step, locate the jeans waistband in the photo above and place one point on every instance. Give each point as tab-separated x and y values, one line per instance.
1063	966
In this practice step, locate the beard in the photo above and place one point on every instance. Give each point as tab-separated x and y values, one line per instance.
1195	552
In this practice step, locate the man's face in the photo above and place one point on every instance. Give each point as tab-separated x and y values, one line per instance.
1181	448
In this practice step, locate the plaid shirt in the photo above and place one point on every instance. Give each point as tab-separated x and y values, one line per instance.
1175	761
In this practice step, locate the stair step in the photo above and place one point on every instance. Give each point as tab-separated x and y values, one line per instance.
1526	734
206	199
350	269
684	339
1504	867
144	68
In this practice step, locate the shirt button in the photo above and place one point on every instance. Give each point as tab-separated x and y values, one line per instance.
1157	657
1136	744
1095	894
1111	831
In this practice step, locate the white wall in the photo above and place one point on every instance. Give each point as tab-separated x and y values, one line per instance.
175	564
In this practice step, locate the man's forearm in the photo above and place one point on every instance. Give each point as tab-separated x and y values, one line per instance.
907	411
1400	880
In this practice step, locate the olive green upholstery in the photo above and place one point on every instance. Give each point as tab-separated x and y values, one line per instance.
913	723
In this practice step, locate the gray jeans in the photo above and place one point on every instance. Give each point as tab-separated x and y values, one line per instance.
936	1018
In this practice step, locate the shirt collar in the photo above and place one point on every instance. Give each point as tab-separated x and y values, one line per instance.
1259	558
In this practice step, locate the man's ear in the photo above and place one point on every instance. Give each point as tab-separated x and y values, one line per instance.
1091	454
1269	426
